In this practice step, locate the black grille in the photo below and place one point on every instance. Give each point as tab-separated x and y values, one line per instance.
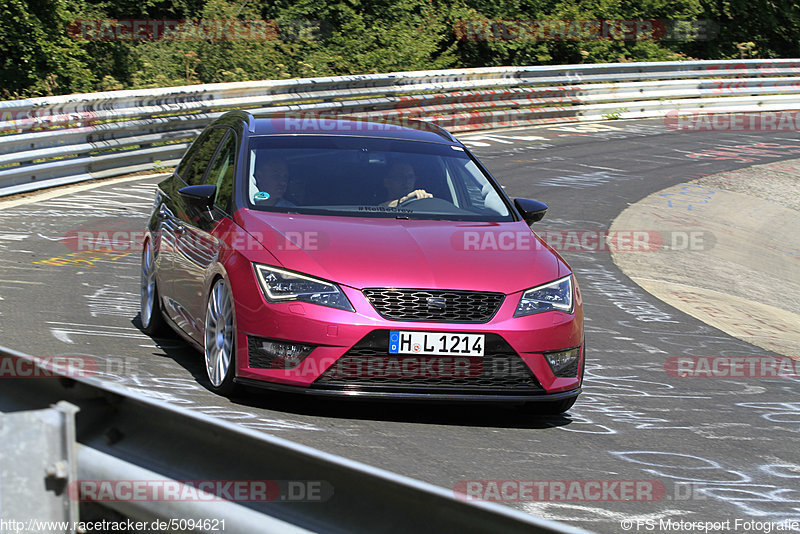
369	366
433	305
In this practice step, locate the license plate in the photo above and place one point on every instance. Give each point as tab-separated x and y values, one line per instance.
439	343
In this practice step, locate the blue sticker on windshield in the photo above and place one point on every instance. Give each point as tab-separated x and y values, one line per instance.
261	195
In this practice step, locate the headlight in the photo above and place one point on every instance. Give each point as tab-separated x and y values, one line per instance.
279	285
555	295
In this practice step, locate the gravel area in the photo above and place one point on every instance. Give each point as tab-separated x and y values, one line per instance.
747	282
777	182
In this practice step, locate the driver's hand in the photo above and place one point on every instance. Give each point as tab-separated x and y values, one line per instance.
416	194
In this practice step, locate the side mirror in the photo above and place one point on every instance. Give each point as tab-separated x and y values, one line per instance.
199	196
532	210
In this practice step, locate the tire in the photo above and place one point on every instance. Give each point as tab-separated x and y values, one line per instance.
550	407
153	322
219	346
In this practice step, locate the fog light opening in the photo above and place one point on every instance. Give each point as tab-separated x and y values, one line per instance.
564	364
270	354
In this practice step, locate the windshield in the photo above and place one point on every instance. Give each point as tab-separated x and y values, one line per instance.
368	177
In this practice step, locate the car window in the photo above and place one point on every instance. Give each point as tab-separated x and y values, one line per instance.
221	172
478	191
201	157
370	177
186	160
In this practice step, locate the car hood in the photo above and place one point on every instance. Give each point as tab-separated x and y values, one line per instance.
369	252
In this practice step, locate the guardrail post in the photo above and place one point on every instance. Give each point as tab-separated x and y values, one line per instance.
39	461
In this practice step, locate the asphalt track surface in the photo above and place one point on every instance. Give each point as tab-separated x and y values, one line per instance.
722	449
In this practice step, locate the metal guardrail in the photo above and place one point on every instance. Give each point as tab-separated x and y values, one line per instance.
65	139
118	436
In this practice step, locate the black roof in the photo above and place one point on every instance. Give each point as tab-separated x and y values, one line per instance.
264	122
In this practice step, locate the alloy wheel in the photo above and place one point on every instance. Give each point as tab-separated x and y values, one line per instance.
219	332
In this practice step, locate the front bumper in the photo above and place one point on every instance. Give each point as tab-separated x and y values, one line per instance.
339	334
407	394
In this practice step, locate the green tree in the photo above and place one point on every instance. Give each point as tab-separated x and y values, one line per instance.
37	55
335	37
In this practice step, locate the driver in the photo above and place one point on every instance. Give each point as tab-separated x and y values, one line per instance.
398	182
272	179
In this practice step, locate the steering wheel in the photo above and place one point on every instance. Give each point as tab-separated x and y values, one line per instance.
433	204
411	200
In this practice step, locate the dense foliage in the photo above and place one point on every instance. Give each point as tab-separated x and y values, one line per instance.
46	48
